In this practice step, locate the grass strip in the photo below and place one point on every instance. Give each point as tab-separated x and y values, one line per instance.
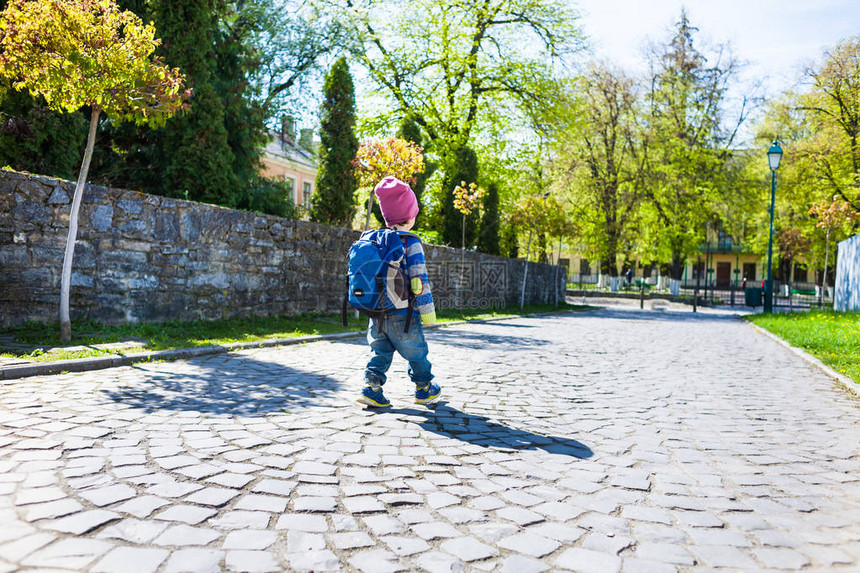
832	337
41	341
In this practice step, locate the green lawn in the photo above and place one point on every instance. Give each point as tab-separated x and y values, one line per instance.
832	337
43	341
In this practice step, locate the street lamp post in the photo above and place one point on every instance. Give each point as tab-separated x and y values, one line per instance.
774	155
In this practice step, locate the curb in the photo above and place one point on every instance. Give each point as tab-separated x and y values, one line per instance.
842	381
115	360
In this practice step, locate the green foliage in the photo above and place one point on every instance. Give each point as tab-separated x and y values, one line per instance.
270	196
597	149
77	53
36	139
461	166
334	200
509	245
410	131
832	337
488	235
684	164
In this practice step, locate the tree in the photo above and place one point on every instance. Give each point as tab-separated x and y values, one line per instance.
440	61
78	53
462	166
832	216
684	147
599	158
334	201
834	106
410	131
488	234
379	158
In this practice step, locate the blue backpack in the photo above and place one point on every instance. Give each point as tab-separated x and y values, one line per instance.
377	282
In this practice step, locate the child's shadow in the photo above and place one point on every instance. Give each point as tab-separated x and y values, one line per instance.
479	430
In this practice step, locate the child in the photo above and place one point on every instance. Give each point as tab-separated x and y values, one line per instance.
399	209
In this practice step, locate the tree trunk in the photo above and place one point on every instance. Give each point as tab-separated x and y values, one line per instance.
65	282
369	210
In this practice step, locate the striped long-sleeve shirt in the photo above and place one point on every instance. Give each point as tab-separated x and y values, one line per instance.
416	268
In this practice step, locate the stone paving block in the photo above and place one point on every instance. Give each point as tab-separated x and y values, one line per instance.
522	564
468	549
184	535
212	496
633	565
401	545
254	540
52	509
529	544
133	530
131	560
194	560
437	562
301	541
351	540
252	562
189	514
300	522
519	515
141	506
377	561
80	523
384	524
74	554
313	561
722	556
607	542
241	520
231	480
586	561
260	502
458	514
780	558
719	537
107	495
664	553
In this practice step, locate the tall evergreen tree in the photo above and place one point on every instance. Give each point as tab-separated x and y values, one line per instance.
336	184
411	131
461	167
193	149
488	234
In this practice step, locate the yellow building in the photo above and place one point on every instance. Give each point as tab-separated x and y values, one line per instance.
293	161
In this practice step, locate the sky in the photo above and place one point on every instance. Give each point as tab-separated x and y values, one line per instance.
775	38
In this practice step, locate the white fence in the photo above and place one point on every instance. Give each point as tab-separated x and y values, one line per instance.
847	290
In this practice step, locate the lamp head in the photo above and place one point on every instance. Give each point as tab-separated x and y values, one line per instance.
774	154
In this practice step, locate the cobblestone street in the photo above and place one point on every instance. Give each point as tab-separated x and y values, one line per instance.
604	441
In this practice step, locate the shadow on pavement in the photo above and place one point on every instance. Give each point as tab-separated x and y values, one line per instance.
480	430
661	315
481	340
231	384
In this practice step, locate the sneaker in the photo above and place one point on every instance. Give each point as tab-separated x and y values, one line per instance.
373	397
427	394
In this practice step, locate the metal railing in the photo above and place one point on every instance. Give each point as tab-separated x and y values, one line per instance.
799	295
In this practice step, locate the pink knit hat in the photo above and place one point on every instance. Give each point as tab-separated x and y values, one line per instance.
396	200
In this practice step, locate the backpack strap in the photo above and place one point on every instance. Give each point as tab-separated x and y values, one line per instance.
410	306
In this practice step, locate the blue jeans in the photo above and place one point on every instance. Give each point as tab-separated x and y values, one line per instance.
411	346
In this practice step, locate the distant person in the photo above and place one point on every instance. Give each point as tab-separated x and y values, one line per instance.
387	333
629	277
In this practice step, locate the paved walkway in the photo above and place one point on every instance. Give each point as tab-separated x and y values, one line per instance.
616	440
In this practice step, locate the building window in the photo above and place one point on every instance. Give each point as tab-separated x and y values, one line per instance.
584	267
749	271
306	195
291	185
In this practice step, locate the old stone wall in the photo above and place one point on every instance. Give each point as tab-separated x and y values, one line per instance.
144	258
